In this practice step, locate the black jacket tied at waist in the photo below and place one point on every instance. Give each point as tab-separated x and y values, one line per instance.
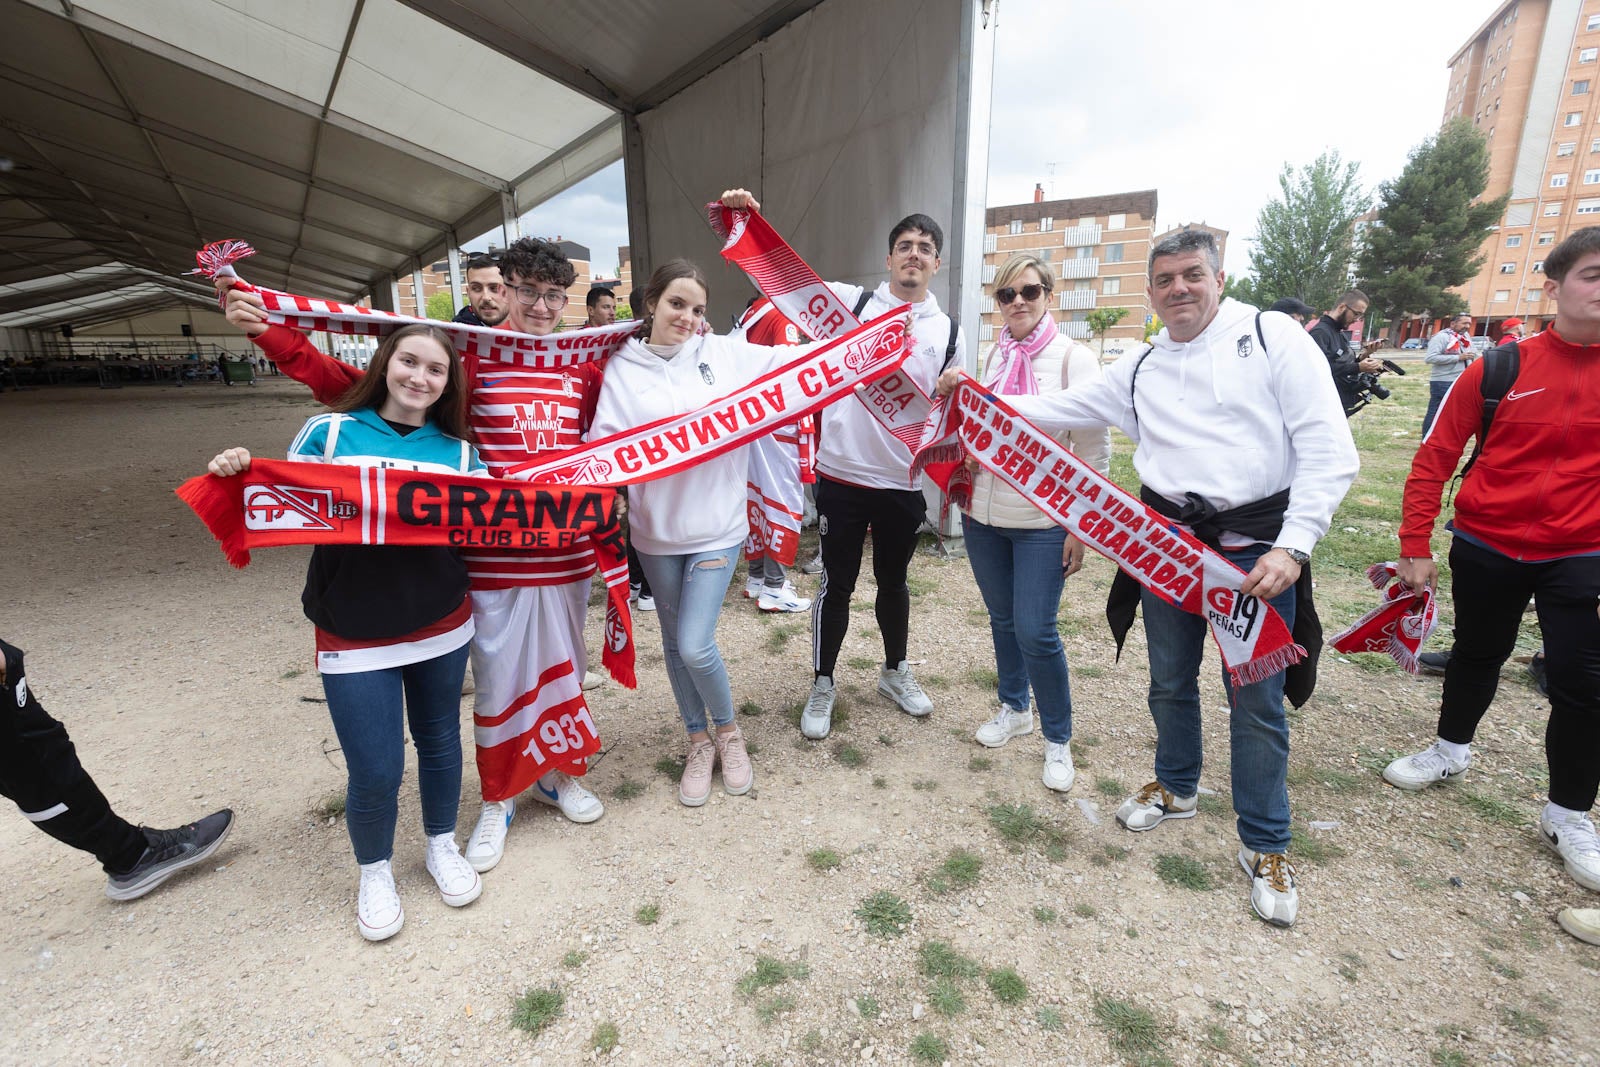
1259	521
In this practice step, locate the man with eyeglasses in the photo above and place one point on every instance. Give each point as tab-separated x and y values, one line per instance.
864	478
528	607
486	292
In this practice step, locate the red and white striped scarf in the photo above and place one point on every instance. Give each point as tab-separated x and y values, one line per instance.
1398	626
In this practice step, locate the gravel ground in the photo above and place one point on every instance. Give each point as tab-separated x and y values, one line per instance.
1426	932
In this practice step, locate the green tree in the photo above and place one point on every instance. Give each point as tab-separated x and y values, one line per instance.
1430	226
1243	289
1302	243
441	306
1102	319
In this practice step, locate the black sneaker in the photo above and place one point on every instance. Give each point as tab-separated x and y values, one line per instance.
169	852
1433	662
1536	668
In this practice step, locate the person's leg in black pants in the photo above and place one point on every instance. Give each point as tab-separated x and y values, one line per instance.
842	523
1490	592
1568	591
896	517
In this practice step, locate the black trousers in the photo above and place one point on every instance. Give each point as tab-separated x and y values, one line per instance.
40	772
844	515
1490	592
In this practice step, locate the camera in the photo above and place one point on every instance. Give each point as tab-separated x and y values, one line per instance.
1362	388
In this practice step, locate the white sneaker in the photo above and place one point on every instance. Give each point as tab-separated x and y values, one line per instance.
590	681
784	599
1153	805
646	603
1007	723
1425	768
488	841
900	686
812	565
1059	773
458	883
1575	840
1273	895
563	791
817	717
754	587
378	912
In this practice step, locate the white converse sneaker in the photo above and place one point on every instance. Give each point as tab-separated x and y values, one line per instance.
817	717
1058	770
488	841
784	599
754	587
1427	767
900	686
458	883
563	791
1153	805
1273	895
1007	723
378	912
1575	840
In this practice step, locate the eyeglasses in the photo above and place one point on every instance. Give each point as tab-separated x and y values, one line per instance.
554	299
1029	293
905	248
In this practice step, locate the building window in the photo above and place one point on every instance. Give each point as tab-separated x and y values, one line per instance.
1535	294
1110	286
1547	238
1566	148
991	242
989	270
1573	118
1047	224
1586	55
1082	286
1591	177
1083	252
1117	222
1552	210
1514	241
986	304
1593	23
1588	207
1113	253
1502	295
1538	267
1558	181
1579	88
1016	226
1508	268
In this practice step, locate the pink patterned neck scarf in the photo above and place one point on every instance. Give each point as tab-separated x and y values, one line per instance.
1011	372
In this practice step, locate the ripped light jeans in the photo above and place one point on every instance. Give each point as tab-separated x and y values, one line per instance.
689	591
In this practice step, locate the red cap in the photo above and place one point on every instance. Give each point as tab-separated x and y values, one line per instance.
1509	323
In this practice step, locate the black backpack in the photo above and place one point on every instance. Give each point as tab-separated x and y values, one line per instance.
1500	367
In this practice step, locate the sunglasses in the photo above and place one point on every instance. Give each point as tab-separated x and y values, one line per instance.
1029	293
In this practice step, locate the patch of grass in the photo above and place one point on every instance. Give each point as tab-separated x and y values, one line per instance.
1088	670
879	782
769	971
536	1009
1350	965
1132	1030
752	709
920	585
1044	915
648	915
849	755
1183	871
924	785
811	1040
884	914
1106	855
1326	777
935	681
929	1048
605	1037
1500	967
1084	911
946	998
670	767
329	807
1490	808
1525	1023
1448	1057
1376	759
574	959
628	789
1021	825
1217	1038
862	663
1006	985
868	1006
1212	804
961	868
1109	787
290	675
779	637
1132	933
980	763
822	859
1304	845
1049	1020
885	740
984	678
770	1009
937	959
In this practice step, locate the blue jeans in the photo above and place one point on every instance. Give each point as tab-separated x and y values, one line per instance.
366	708
1019	575
1258	726
1436	391
689	591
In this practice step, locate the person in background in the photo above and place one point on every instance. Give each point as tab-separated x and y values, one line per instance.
1512	330
487	301
1449	353
1295	308
602	306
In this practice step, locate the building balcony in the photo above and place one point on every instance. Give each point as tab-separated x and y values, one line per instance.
1076	299
1078	331
1079	268
1074	236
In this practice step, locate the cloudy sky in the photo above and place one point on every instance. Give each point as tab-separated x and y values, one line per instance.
1203	102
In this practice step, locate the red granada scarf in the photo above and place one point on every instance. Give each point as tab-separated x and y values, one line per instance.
1398	626
277	502
817	376
1162	556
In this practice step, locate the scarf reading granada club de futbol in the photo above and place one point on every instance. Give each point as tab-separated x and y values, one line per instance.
278	502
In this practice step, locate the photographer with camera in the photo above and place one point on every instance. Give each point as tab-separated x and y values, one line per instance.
1355	374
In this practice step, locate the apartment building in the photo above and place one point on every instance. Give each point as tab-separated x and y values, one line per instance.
436	279
1097	246
1529	79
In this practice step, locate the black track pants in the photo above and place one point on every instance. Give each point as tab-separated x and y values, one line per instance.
844	514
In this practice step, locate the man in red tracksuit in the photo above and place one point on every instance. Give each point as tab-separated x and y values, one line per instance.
1527	524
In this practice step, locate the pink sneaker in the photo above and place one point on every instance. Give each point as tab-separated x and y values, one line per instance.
737	774
694	788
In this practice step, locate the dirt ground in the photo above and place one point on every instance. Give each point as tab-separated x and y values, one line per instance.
1426	932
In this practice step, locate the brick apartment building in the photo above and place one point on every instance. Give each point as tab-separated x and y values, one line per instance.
436	279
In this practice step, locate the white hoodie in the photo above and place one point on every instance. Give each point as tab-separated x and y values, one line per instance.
703	508
1217	417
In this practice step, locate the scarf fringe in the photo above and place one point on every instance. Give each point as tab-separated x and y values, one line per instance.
1265	666
1403	656
1380	573
217	507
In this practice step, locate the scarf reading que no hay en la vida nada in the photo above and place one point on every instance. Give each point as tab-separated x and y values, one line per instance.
279	502
1253	639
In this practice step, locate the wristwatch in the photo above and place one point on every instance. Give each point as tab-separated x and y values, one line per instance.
1302	558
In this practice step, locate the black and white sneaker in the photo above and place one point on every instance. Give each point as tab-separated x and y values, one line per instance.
1433	662
168	852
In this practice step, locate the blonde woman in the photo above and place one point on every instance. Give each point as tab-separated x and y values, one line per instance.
1020	558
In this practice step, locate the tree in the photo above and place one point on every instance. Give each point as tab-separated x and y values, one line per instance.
1302	242
1102	319
1429	230
441	306
1243	289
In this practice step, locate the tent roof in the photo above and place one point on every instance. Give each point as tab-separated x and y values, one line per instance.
347	140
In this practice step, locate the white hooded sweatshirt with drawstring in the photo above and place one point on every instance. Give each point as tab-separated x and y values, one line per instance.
1219	417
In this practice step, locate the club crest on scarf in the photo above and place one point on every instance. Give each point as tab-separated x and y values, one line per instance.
290	507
